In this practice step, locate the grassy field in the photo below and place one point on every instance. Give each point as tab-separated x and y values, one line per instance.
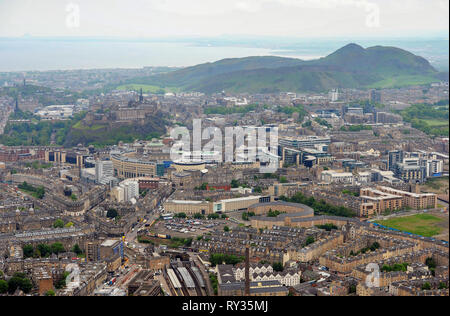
404	80
419	224
436	123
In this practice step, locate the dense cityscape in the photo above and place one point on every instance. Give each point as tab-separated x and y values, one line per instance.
98	197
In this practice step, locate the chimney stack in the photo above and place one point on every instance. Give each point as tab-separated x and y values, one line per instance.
247	271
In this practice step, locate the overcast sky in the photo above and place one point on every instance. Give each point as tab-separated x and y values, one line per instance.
173	18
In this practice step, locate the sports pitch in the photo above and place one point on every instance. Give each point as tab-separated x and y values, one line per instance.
420	224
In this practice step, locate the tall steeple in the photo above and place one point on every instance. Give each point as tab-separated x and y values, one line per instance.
141	97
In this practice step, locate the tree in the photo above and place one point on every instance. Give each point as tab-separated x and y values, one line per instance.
257	190
61	283
309	240
44	250
19	281
213	216
219	258
76	248
112	213
57	248
28	251
283	179
430	263
226	229
50	293
278	266
426	286
3	286
199	216
234	184
59	223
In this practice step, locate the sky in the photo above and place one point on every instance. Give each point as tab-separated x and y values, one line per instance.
209	18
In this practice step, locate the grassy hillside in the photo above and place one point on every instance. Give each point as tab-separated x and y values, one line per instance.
349	67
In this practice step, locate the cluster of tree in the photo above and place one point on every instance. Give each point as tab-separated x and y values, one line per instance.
112	213
395	267
327	227
426	286
180	215
213	216
323	122
102	136
44	250
309	240
236	184
214	282
417	114
356	128
246	215
202	187
426	111
320	207
199	216
223	110
59	223
176	242
37	193
348	192
61	282
17	281
431	264
257	189
289	110
273	213
372	247
270	176
219	258
144	240
38	165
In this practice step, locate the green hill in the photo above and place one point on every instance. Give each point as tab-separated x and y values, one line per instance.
349	67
